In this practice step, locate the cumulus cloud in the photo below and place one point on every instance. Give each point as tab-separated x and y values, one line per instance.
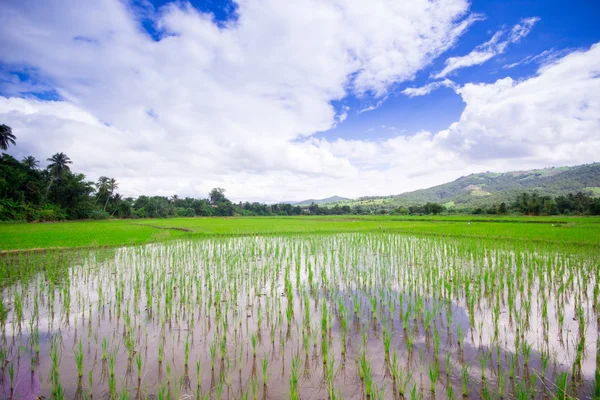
236	104
209	102
496	45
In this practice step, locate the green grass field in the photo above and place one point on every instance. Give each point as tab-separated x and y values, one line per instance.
563	230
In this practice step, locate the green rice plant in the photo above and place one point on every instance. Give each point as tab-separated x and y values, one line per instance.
329	376
579	350
433	377
415	394
483	363
512	361
219	389
561	380
162	393
213	354
378	393
124	394
465	378
112	361
522	392
198	376
104	348
91	381
450	392
387	340
544	359
436	344
526	349
11	375
139	365
36	340
448	364
294	378
501	383
161	352
265	366
253	339
459	335
79	359
401	376
367	375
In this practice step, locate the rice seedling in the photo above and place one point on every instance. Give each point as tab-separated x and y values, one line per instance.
433	377
465	380
265	367
79	360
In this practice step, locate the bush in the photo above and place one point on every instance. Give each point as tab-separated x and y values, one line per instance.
48	212
98	214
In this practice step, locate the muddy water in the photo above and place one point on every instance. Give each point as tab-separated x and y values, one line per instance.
234	303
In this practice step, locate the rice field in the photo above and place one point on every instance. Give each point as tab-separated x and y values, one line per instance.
368	315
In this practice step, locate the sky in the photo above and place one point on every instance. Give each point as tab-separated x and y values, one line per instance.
287	100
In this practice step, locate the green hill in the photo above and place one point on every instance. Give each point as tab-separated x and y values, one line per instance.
328	200
489	188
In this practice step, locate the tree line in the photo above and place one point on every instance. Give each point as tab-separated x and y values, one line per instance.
29	192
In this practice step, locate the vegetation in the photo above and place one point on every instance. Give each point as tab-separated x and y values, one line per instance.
381	315
486	190
557	229
29	193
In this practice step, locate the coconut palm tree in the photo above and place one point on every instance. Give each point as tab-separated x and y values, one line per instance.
59	164
116	198
111	185
30	162
101	187
6	137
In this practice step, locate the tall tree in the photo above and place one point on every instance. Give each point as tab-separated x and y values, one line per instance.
30	162
216	196
117	199
111	186
101	187
59	164
6	137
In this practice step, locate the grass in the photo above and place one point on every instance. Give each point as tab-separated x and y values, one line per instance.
78	234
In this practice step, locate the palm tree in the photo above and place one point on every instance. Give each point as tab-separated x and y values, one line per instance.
101	186
59	164
30	162
116	198
6	137
111	185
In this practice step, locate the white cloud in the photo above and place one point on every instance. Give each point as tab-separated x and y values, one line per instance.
545	57
430	87
489	49
235	106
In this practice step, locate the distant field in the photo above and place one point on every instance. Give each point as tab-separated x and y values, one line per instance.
567	230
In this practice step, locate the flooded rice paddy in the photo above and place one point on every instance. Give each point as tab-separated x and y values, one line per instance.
309	317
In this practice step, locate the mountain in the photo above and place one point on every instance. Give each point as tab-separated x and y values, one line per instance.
488	188
328	200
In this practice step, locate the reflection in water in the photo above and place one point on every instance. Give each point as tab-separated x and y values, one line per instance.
340	316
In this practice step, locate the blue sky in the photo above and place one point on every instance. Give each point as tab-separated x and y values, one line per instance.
277	100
